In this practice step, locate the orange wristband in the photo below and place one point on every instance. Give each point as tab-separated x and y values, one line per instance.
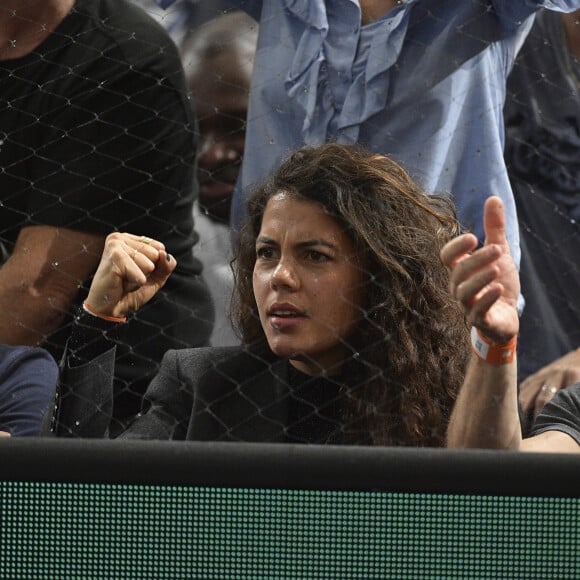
90	310
498	354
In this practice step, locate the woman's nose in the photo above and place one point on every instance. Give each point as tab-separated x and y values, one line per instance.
285	275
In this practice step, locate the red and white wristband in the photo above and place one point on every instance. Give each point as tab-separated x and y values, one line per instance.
499	354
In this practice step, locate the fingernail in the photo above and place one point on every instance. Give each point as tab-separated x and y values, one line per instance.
168	256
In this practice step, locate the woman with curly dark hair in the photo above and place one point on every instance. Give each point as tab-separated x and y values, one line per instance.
349	333
406	353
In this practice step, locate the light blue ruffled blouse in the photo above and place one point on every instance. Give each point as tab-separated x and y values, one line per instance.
424	84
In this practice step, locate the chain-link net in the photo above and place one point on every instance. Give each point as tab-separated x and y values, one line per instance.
98	135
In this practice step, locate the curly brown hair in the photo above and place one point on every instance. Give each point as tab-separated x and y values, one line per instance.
410	346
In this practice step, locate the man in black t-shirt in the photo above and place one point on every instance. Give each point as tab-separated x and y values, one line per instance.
97	135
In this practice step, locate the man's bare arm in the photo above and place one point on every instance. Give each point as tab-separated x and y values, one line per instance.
550	442
486	284
41	279
485	413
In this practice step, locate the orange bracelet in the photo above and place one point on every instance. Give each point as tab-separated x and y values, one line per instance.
90	310
499	354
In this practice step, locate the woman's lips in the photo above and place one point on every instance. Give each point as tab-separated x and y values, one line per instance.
284	317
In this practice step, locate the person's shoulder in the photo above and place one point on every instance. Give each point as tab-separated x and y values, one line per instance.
130	31
10	355
122	16
121	51
28	360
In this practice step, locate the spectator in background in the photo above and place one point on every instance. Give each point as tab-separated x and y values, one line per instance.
218	59
422	81
97	136
28	378
543	157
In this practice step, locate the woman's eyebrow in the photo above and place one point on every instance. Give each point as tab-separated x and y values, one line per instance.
265	240
316	242
304	244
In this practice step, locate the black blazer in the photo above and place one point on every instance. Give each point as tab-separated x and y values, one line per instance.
201	394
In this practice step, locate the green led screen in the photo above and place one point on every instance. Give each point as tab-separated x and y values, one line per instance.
93	530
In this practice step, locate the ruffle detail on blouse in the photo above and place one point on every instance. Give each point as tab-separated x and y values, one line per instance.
305	75
308	83
370	88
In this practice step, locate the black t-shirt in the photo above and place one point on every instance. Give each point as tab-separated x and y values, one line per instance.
562	413
97	131
98	134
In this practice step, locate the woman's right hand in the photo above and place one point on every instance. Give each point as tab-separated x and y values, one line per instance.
131	271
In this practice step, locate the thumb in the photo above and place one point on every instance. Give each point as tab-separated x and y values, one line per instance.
494	222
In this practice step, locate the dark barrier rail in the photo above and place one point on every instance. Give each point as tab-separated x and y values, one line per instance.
113	509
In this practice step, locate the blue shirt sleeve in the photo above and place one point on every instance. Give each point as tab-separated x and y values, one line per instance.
28	378
513	12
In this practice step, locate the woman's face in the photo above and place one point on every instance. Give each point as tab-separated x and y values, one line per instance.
308	284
